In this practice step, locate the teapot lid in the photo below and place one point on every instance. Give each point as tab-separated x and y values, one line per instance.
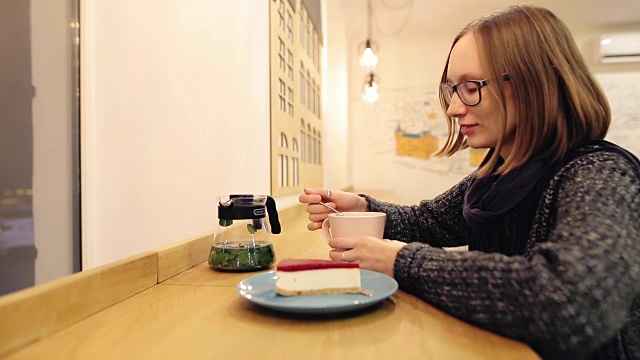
250	207
242	207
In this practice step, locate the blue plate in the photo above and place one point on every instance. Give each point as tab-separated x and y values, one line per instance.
260	290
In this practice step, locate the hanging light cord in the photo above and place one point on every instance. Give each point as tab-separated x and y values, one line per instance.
368	19
397	7
408	4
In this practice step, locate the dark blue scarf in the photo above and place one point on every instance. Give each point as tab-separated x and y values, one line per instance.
500	208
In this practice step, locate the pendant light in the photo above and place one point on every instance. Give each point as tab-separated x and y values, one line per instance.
369	59
370	88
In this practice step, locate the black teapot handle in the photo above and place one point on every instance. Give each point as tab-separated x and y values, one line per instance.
273	215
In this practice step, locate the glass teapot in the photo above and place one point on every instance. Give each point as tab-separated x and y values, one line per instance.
241	241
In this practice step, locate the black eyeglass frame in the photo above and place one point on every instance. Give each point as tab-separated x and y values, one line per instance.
479	83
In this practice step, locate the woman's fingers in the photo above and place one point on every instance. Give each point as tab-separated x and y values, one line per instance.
314	226
346	242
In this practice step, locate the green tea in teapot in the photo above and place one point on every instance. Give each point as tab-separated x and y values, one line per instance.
242	240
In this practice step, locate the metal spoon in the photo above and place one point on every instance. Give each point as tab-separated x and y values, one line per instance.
329	207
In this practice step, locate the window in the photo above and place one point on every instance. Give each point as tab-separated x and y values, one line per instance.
302	27
308	38
315	147
290	64
303	142
283	94
313	98
309	89
290	98
281	52
281	47
309	144
283	162
302	84
317	52
281	14
318	102
314	50
289	26
295	175
283	104
319	148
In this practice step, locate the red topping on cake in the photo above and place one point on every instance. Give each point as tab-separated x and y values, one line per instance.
309	264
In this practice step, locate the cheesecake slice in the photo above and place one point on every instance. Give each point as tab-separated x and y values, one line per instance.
314	277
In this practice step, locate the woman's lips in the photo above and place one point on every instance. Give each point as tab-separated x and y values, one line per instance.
466	130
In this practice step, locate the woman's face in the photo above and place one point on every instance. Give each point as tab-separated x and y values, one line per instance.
480	123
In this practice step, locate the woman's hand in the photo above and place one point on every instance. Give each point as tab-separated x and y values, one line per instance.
371	253
339	200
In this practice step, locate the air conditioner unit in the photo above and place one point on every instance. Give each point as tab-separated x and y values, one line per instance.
620	47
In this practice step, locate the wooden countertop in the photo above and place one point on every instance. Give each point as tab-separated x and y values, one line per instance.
168	304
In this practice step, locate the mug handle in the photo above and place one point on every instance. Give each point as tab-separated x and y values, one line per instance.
325	230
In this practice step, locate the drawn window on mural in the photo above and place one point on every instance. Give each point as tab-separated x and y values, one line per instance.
319	148
303	141
290	64
283	101
309	89
290	98
302	26
295	176
289	26
309	145
314	50
313	98
302	84
281	51
308	41
283	162
318	102
315	147
281	14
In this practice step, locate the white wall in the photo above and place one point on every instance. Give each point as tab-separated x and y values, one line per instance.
335	90
175	111
409	61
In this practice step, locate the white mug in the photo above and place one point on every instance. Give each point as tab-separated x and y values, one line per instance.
354	224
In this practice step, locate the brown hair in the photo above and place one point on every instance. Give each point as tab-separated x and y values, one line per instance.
558	103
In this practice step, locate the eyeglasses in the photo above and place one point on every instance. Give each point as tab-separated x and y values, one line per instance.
468	91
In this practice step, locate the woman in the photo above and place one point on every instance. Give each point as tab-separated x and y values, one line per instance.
551	216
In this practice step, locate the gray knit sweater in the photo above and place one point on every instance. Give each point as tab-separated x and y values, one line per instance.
574	294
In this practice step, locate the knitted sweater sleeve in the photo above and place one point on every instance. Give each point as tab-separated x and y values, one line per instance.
438	222
574	289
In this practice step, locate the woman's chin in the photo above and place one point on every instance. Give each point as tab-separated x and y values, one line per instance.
477	143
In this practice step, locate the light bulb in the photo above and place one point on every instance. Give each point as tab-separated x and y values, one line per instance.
368	60
371	92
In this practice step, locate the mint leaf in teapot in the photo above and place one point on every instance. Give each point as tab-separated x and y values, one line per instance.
225	222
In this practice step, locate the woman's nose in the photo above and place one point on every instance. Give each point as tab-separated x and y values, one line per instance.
456	106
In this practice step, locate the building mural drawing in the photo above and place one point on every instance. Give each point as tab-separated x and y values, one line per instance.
420	145
419	129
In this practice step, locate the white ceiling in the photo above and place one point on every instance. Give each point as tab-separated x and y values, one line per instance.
451	15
